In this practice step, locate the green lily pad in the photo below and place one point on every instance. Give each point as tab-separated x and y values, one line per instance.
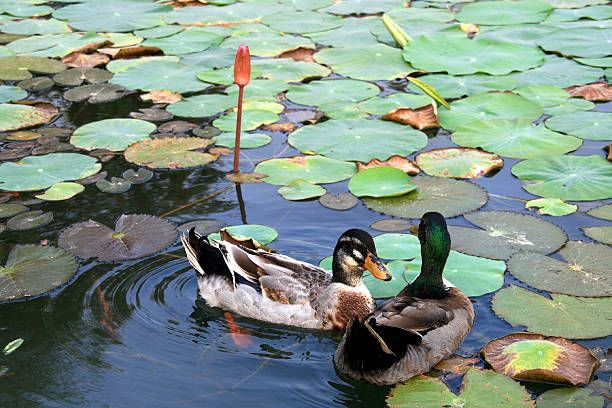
121	65
12	346
233	13
201	106
446	196
570	397
61	191
260	233
268	44
504	12
578	178
570	4
98	93
552	206
39	172
191	40
116	185
480	389
300	189
452	87
585	125
301	22
31	270
134	236
584	272
277	69
23	9
544	95
254	114
315	169
460	56
488	106
569	106
592	13
29	220
504	233
247	140
524	34
11	209
111	134
601	234
603	211
562	315
113	15
397	246
13	117
370	62
212	58
605	62
153	75
516	138
381	182
11	93
381	106
54	45
578	42
327	94
170	153
35	26
358	139
339	202
353	31
533	357
458	162
345	7
560	72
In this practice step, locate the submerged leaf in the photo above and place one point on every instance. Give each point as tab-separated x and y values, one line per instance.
12	346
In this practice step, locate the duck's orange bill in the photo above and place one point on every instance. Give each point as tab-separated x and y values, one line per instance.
376	268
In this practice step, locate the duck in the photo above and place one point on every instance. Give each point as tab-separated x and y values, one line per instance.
408	334
276	288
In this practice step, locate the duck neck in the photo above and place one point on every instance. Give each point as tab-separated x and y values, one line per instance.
429	284
343	272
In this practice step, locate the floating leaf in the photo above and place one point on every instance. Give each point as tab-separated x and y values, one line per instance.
457	86
39	172
504	12
247	140
381	106
601	234
78	76
391	225
544	95
134	236
22	67
576	178
99	93
12	346
449	197
558	71
340	202
504	233
315	169
533	357
56	45
570	397
268	44
458	162
61	191
169	153
301	22
11	209
603	211
260	233
139	176
300	189
552	206
116	185
562	315
585	125
578	42
11	93
599	91
191	40
395	161
37	84
158	75
254	115
111	134
346	7
584	271
421	118
357	139
29	220
327	94
380	182
31	270
480	389
13	117
397	246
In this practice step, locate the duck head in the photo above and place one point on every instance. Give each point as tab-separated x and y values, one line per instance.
354	252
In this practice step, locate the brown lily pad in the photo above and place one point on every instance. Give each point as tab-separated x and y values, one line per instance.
391	225
533	357
78	76
161	96
23	135
599	91
37	84
135	51
152	115
246	177
456	364
170	153
83	60
176	126
299	54
608	149
340	202
280	127
29	220
420	118
399	162
458	162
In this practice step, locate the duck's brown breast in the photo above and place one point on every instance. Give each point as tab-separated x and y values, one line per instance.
348	306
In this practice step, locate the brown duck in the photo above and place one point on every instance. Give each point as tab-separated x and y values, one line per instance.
423	324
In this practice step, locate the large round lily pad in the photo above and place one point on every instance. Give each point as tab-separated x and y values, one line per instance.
191	40
446	196
458	162
516	138
134	236
55	45
35	26
585	271
480	389
579	42
504	12
558	71
452	87
488	106
504	233
22	67
268	44
330	92
39	172
460	56
170	153
563	315
566	177
381	182
533	357
358	139
397	246
380	106
570	397
13	117
302	22
585	125
153	75
315	169
31	270
111	134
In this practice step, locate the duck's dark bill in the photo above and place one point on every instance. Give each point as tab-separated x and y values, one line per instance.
376	268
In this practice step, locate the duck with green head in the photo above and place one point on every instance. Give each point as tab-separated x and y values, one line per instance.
410	333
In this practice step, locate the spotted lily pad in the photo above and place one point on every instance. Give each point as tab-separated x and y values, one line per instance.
170	153
585	271
458	162
300	189
29	220
381	182
61	191
134	236
111	134
577	178
552	206
446	196
562	315
504	233
315	169
358	139
22	67
261	233
13	117
11	93
480	389
533	357
39	172
585	125
504	12
570	397
31	270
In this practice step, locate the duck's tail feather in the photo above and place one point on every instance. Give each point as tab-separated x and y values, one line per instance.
206	258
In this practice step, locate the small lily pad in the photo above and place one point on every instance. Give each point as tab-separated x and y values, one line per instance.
247	140
99	93
12	346
315	169
603	211
31	270
504	233
391	225
139	176
552	206
458	162
11	93
570	397
12	209
262	234
381	182
601	234
170	153
78	76
61	191
340	202
37	84
111	134
585	125
300	189
116	185
533	357
29	220
134	236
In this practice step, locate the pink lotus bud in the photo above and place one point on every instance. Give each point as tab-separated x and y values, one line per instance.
242	66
